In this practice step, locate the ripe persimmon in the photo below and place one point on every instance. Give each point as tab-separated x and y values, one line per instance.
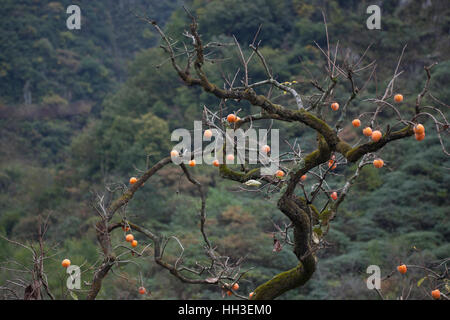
402	269
142	290
126	228
129	237
420	137
134	243
367	131
356	123
279	173
191	163
231	118
376	136
378	163
235	286
303	177
436	294
335	106
174	153
230	157
251	294
133	180
334	195
332	164
398	97
419	129
265	148
65	263
208	133
216	163
229	293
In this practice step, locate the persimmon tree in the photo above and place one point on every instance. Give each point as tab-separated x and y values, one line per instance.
308	223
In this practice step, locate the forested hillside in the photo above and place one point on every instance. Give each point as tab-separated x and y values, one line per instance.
82	111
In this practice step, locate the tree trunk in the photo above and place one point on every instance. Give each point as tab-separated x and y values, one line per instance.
298	276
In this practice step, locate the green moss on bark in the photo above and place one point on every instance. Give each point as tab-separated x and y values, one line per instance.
242	177
286	281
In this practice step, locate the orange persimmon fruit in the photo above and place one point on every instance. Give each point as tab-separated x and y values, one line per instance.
402	269
142	290
398	97
376	135
208	133
65	263
265	148
231	118
436	294
335	106
356	123
378	163
419	129
367	131
279	173
420	137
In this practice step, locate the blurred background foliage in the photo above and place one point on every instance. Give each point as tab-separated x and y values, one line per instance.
87	108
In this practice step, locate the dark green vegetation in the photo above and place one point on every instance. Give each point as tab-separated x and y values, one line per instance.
100	108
